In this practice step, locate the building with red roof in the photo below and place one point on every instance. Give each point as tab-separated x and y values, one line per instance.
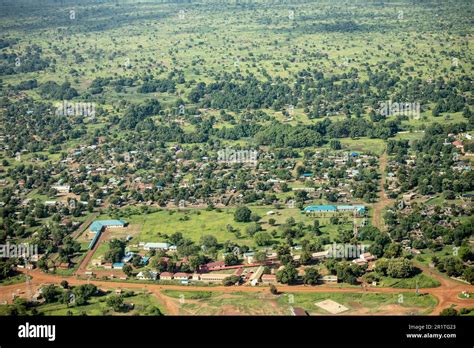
166	276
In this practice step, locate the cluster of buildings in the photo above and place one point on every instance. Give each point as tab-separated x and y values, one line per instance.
336	172
247	274
209	273
461	163
458	143
364	259
119	265
350	163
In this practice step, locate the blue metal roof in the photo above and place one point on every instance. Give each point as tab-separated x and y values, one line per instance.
359	208
351	207
94	240
97	225
320	208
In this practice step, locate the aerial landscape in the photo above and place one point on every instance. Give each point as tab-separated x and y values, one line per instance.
236	158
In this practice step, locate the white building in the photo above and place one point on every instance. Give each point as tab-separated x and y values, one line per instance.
156	246
62	188
147	275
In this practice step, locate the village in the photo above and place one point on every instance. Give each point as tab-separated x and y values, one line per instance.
249	269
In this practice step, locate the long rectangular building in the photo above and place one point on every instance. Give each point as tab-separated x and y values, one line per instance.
213	277
359	209
99	225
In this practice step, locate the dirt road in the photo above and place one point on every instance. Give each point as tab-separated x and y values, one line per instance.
383	201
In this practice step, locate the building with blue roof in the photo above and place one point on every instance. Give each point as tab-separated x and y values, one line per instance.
320	208
118	265
98	226
359	209
94	240
145	260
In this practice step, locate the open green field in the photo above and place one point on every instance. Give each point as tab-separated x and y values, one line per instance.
142	302
242	303
19	278
421	280
195	223
375	146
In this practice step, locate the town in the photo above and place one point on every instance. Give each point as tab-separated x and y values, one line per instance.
238	158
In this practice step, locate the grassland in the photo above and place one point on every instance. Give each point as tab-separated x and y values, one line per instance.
241	303
421	280
19	278
98	306
195	223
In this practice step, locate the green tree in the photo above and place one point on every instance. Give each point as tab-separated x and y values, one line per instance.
393	250
252	229
284	254
116	251
262	238
305	257
209	241
290	221
469	274
7	268
50	293
288	275
449	312
400	268
196	260
311	276
260	256
127	269
84	292
242	214
116	302
231	259
465	253
316	228
335	144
